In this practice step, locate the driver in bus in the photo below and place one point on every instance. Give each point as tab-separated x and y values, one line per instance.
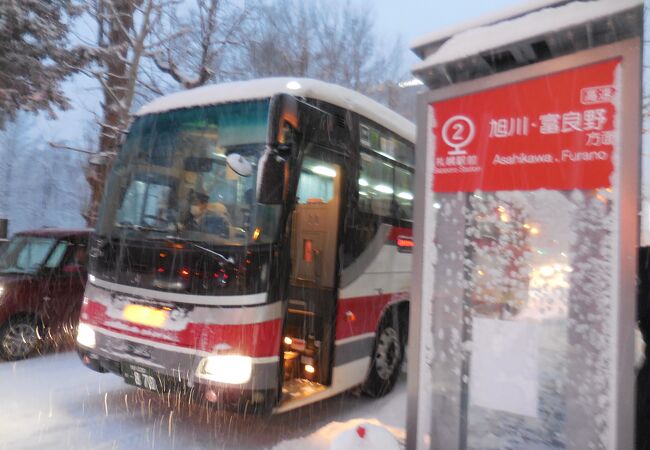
204	219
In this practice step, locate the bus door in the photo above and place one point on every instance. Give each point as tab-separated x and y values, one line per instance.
312	285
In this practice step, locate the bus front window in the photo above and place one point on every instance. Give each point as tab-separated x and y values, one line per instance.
173	176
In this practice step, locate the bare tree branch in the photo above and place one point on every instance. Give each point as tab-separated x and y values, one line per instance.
67	147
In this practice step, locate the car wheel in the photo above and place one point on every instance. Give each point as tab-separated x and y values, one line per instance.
19	338
387	358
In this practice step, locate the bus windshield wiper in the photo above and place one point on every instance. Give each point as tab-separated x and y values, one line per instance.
172	238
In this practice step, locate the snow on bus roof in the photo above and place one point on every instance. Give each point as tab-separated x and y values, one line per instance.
474	41
299	87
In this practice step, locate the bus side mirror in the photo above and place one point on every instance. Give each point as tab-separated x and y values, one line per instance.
272	177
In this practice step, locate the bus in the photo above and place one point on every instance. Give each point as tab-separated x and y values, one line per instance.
253	246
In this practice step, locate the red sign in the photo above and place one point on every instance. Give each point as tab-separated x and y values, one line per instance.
552	132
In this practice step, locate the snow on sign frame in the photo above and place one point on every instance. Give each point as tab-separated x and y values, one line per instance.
526	234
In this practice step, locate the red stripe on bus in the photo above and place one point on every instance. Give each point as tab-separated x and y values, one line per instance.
359	315
258	340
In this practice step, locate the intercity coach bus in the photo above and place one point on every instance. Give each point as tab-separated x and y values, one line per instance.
253	246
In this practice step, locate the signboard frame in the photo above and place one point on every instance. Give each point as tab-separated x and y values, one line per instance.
423	411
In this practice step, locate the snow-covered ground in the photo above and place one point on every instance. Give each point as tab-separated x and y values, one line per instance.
54	402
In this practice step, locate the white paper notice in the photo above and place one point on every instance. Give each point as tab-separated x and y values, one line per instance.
503	368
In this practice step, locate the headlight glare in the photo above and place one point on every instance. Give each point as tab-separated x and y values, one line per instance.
86	335
230	369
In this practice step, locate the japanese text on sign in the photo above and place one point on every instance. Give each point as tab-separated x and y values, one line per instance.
558	133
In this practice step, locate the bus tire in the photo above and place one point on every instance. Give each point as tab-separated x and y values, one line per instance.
387	357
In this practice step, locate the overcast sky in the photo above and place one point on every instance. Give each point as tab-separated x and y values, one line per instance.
415	18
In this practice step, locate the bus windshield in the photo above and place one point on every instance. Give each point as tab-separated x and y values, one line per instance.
173	176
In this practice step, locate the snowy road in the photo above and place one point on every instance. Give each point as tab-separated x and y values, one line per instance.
53	402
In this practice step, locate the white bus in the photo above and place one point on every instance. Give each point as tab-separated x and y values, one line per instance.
254	246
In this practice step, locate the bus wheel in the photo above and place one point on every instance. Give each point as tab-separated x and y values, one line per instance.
386	358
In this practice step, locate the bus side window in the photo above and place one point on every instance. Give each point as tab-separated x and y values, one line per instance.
375	186
403	194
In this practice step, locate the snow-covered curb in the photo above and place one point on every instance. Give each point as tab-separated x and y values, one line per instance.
339	435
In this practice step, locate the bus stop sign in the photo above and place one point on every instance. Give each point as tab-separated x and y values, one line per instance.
550	132
526	234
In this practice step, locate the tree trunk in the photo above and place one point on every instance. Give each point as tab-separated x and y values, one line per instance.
119	21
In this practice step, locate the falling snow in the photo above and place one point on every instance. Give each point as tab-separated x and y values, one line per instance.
55	402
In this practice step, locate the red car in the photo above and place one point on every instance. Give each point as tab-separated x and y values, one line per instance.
42	280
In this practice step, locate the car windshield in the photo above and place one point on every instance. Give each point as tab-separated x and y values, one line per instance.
25	254
192	174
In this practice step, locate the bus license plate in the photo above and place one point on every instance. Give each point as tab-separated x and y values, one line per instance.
141	377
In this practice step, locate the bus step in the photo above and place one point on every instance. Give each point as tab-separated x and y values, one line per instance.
299	388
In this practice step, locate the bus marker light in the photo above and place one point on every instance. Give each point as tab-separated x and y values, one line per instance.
405	242
293	85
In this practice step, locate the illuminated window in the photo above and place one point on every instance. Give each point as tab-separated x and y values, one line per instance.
375	185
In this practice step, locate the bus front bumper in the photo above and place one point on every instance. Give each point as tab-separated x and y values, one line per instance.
215	378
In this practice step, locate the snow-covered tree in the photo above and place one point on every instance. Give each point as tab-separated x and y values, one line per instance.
224	40
331	40
35	55
124	39
197	48
15	135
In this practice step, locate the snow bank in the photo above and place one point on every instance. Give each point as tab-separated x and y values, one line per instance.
344	436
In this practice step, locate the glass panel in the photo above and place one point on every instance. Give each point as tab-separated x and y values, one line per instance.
144	203
506	328
173	177
375	186
404	193
316	184
25	254
57	255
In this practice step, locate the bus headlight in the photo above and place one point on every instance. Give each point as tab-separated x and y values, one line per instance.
86	336
230	369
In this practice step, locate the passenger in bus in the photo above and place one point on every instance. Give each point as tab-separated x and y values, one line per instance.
206	219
